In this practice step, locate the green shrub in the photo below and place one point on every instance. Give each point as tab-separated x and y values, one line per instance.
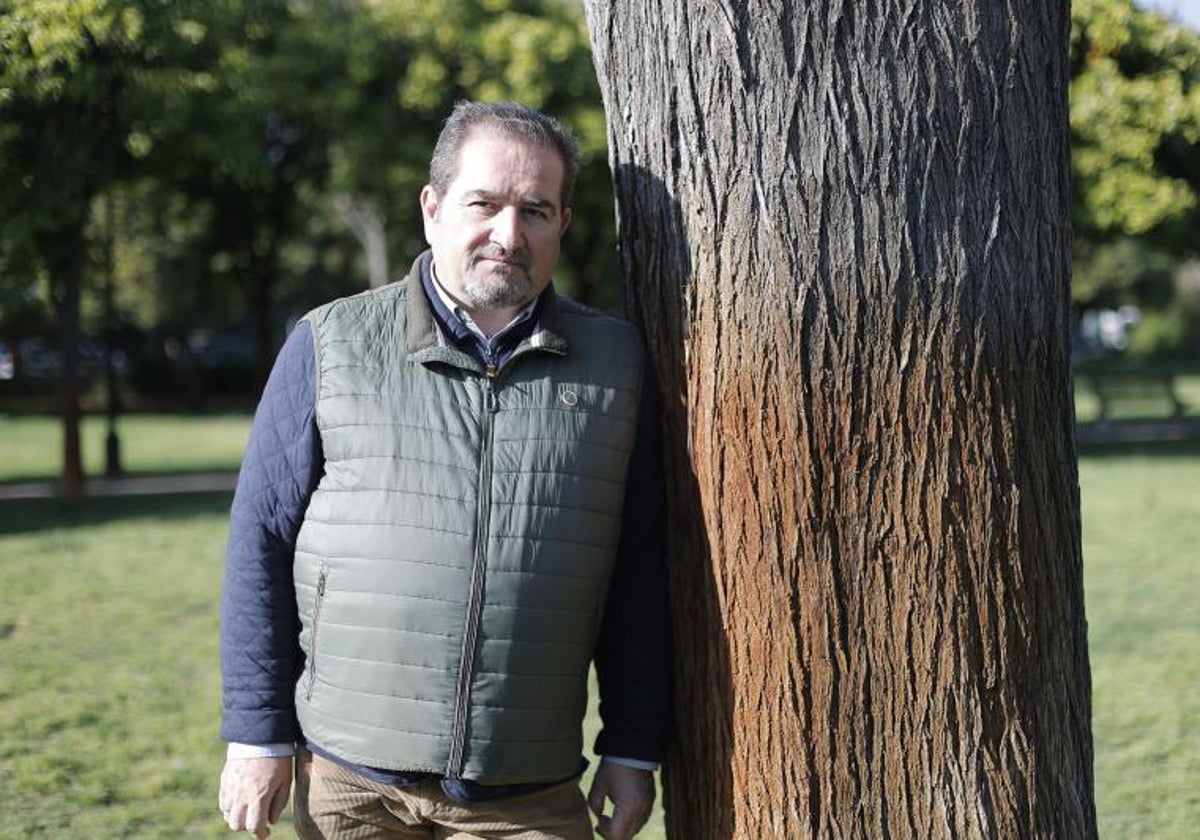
1160	334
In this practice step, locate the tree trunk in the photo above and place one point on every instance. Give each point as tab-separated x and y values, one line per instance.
844	229
72	256
368	224
112	439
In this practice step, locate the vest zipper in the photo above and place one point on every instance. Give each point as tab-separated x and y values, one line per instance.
462	694
312	663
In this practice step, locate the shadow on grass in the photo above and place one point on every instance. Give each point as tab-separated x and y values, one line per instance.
1154	449
34	478
25	515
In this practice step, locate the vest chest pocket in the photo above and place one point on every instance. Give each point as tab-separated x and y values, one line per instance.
566	428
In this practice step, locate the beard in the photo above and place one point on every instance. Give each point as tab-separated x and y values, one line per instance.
497	285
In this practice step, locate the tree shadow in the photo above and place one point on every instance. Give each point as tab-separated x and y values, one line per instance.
698	784
31	515
1141	449
185	471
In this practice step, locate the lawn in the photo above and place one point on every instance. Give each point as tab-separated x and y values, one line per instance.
1141	526
109	693
30	446
107	652
1187	388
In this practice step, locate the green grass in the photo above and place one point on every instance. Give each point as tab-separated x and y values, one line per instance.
1187	388
30	447
1141	524
109	692
108	688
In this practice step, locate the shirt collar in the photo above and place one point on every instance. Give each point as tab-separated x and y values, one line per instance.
433	325
464	318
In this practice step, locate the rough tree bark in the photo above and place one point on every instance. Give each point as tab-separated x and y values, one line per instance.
844	229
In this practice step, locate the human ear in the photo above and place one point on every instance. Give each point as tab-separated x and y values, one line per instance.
429	212
429	203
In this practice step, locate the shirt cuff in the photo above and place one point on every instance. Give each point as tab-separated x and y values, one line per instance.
635	763
260	750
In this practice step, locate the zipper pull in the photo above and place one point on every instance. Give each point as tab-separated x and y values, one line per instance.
490	370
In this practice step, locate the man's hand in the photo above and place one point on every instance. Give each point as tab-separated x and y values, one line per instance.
632	794
254	792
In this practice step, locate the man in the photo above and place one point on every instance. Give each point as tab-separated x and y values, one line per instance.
450	502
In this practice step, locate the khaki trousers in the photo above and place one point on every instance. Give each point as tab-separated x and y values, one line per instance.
332	803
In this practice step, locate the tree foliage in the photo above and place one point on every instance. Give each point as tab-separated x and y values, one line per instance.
233	139
1135	114
1135	109
240	141
237	123
66	68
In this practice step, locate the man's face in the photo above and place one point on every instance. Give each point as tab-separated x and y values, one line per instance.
495	232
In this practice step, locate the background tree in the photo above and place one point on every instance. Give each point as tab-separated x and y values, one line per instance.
410	62
63	74
1135	116
240	140
844	228
249	149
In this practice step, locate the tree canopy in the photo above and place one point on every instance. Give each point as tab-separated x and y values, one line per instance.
1135	111
260	157
238	136
1135	116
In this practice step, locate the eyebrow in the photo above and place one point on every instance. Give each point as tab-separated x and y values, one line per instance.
486	195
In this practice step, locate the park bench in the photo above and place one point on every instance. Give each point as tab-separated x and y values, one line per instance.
1139	389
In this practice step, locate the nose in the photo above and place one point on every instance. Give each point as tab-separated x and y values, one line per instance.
506	229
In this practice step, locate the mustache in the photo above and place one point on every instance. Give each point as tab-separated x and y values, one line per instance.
519	257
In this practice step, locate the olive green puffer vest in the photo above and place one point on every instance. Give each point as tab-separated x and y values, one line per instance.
453	563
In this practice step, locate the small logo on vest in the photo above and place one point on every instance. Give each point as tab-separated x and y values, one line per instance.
567	396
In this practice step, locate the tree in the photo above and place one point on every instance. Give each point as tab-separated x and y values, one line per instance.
844	229
62	79
406	62
244	141
1135	116
322	115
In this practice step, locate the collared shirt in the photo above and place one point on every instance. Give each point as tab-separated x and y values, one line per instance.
456	325
450	305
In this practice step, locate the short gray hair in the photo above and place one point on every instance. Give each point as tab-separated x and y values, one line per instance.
510	119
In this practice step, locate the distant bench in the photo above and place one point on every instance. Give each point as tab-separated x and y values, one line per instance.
1128	387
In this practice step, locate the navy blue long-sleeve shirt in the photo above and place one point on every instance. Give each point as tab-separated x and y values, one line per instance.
260	653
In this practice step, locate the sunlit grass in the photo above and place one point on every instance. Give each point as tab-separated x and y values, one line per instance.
108	684
1187	389
109	691
30	447
1141	524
